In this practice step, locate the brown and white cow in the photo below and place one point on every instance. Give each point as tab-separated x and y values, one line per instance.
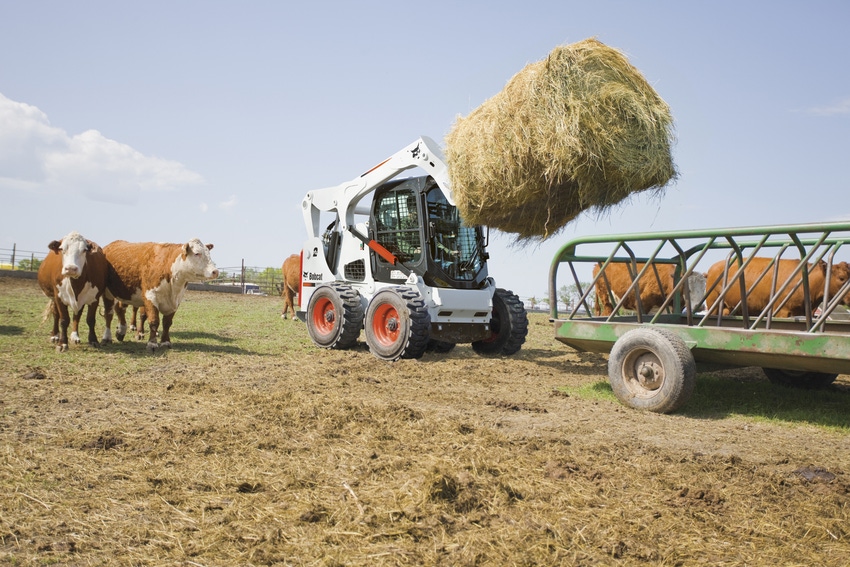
792	300
654	287
291	270
73	275
154	276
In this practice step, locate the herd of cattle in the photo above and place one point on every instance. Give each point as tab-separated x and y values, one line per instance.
719	290
147	275
153	278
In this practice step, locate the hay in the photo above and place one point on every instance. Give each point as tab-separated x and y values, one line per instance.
580	130
248	447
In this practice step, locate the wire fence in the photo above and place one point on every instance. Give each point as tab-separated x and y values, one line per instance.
234	279
17	259
253	280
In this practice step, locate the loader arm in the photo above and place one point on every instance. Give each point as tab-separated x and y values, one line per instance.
344	198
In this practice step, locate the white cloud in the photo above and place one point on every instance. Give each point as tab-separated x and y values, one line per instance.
204	207
840	107
37	156
228	204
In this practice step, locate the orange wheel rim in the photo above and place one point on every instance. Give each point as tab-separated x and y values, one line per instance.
324	316
386	324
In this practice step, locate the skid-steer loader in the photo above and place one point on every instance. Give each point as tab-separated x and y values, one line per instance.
397	260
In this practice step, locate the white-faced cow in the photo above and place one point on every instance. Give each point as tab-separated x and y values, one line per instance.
655	285
154	276
792	301
73	275
291	283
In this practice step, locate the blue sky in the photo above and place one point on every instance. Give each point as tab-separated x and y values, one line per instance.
165	121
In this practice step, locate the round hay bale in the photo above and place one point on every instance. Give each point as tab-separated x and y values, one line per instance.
580	130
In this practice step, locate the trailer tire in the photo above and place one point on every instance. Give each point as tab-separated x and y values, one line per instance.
508	326
652	369
398	324
799	378
334	316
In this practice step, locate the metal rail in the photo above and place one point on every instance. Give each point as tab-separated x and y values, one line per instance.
818	340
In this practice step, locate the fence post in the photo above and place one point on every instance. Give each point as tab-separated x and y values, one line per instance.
13	255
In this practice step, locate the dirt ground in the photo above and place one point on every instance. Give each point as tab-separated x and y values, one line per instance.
246	445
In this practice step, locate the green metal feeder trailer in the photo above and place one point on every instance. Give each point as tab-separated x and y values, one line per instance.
663	303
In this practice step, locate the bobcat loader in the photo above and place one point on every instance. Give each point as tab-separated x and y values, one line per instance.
397	260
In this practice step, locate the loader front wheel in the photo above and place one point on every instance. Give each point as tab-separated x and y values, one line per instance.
334	316
508	326
652	369
397	324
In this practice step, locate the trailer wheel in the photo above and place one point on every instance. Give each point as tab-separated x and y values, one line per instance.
508	326
652	369
799	378
334	316
397	324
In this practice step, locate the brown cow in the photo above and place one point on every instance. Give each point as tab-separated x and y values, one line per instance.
291	283
617	280
759	297
154	276
73	275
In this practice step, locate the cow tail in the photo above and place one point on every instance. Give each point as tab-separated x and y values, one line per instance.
47	311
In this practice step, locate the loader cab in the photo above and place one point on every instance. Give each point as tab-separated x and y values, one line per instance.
413	219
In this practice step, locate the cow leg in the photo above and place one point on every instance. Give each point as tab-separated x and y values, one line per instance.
54	311
108	312
90	321
165	340
75	325
140	331
289	304
153	324
121	312
64	320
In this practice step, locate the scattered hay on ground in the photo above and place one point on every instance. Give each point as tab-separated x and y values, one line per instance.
580	130
246	445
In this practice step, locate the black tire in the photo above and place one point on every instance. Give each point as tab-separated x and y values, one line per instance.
397	324
652	369
799	378
334	316
508	326
440	347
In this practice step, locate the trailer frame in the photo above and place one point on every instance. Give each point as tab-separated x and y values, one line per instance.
805	350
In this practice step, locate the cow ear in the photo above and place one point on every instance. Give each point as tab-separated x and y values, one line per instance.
91	246
54	245
209	246
186	250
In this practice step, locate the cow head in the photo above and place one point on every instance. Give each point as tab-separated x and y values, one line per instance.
73	249
197	261
840	275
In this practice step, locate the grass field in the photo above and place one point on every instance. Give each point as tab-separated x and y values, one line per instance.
246	445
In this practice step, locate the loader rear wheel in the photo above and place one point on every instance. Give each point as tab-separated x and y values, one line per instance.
334	316
799	379
397	324
508	326
652	369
